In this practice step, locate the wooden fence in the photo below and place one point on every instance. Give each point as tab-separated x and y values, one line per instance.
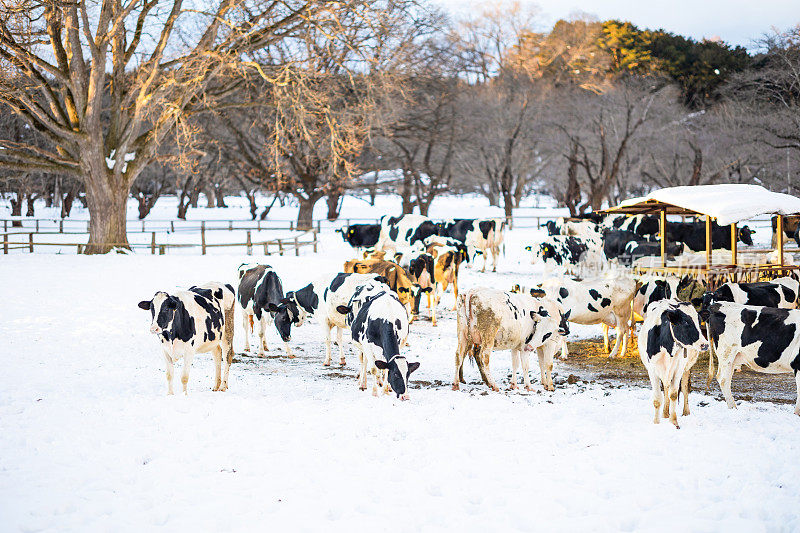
272	246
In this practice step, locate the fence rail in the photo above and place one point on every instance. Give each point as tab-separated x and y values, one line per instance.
272	246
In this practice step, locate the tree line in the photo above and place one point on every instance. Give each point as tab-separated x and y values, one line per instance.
299	101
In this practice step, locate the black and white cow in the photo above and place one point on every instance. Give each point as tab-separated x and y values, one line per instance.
490	319
259	286
568	253
766	339
199	320
616	241
596	301
684	289
642	225
780	292
637	250
669	345
404	231
361	235
379	328
693	235
484	235
320	299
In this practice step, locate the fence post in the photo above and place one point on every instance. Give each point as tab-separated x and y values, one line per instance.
203	236
319	225
37	225
266	249
230	225
61	226
142	226
249	244
296	247
259	224
30	241
153	244
5	243
5	226
172	226
315	242
291	225
161	249
280	247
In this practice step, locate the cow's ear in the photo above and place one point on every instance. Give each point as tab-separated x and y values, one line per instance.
528	248
427	289
272	307
145	304
402	289
412	367
566	315
343	309
382	365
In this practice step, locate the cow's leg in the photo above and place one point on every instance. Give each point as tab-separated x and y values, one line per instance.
429	299
289	351
262	335
526	370
483	356
673	398
326	326
187	365
362	373
217	354
605	338
546	367
797	402
340	342
564	350
685	384
615	350
724	377
226	365
461	352
655	382
246	327
515	356
170	372
455	292
495	255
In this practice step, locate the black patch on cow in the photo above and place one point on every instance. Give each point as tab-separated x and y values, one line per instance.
230	288
591	308
269	291
485	226
338	281
605	302
214	318
660	337
547	336
771	330
563	292
182	326
307	298
594	294
247	284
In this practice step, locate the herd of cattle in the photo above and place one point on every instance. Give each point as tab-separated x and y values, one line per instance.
377	296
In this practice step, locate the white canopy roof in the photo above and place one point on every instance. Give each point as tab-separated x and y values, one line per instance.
727	203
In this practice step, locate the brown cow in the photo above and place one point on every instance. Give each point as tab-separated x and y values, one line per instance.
396	277
447	262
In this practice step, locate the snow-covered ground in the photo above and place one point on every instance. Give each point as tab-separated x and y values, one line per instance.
89	440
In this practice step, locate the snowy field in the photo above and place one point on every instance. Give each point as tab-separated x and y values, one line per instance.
89	441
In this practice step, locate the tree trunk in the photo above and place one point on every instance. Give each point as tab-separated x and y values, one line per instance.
16	210
333	206
194	195
211	198
405	193
305	215
508	202
66	204
107	212
30	200
373	191
220	197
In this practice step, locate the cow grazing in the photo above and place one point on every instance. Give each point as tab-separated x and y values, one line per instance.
478	235
259	286
489	319
597	301
404	231
642	225
399	281
379	327
568	253
361	235
320	299
766	339
199	320
669	345
780	292
693	235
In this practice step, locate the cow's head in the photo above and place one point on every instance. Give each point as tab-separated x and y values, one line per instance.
409	296
398	372
685	326
162	308
287	313
552	228
746	235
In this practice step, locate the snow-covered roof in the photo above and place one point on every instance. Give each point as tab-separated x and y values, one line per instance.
728	203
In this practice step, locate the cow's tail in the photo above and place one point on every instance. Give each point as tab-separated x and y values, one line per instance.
710	356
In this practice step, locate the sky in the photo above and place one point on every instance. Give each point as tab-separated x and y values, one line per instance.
738	22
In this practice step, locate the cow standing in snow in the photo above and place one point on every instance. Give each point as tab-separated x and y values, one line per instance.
568	253
669	344
766	339
199	320
597	301
404	231
259	286
490	319
320	299
484	235
779	292
379	328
